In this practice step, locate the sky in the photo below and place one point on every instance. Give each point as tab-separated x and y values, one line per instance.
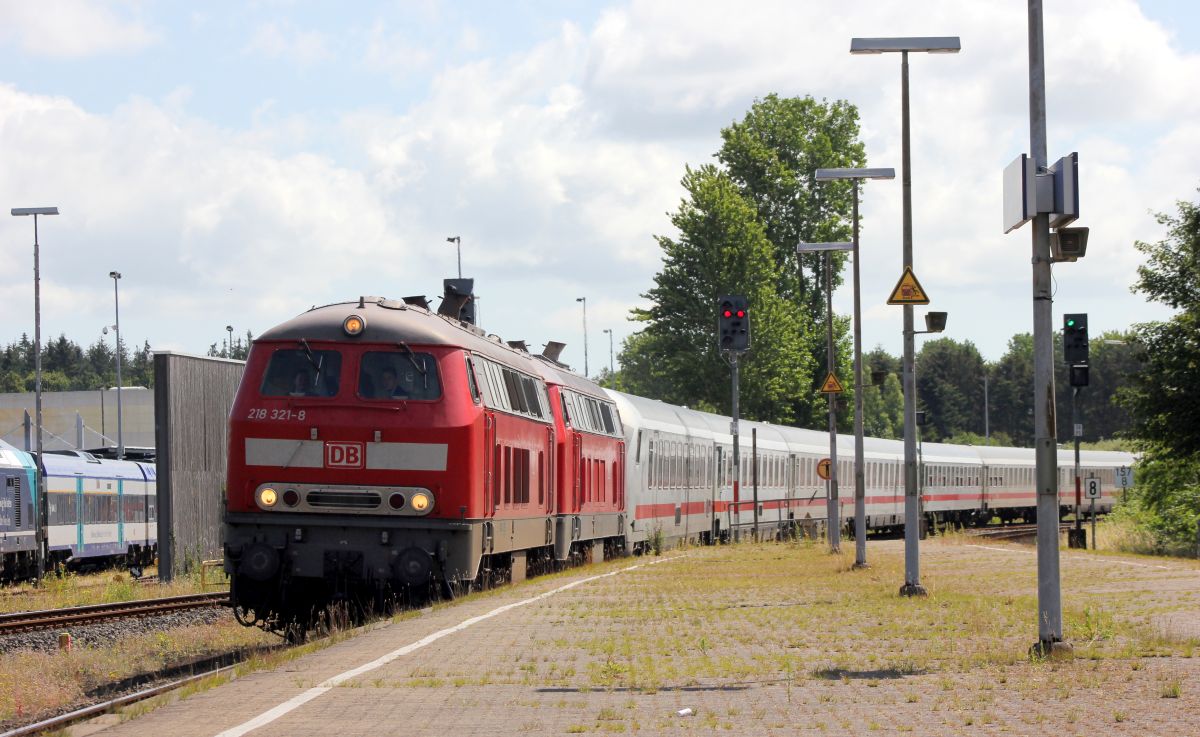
239	162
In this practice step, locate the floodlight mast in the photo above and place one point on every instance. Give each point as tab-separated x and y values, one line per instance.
43	511
860	499
912	513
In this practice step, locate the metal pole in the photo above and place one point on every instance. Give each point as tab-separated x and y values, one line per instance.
737	467
754	474
1093	524
987	432
1074	423
912	500
831	502
585	347
1049	586
116	275
43	506
611	370
860	497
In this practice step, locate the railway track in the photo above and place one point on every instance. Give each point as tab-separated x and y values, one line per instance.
50	618
1010	532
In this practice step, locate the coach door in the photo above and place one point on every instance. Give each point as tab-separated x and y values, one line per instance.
715	478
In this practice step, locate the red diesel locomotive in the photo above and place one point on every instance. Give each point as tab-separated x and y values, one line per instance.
378	448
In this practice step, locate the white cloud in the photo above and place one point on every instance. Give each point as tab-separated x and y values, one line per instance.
280	41
73	29
557	163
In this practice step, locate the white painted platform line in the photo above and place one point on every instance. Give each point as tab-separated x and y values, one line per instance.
296	702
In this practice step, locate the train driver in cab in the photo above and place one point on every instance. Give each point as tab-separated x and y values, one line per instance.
389	385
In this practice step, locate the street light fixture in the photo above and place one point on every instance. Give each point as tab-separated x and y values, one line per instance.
457	241
116	277
43	508
611	370
585	351
904	45
860	499
832	509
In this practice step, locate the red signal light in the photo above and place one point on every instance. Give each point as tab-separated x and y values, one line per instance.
728	313
741	313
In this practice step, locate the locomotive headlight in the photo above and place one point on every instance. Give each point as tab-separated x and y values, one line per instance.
353	325
420	502
267	497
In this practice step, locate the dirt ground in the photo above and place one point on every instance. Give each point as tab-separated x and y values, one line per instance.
752	639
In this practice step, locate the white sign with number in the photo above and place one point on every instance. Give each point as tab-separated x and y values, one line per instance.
1125	477
1091	488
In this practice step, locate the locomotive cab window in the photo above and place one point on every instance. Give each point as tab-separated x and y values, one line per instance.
398	374
295	372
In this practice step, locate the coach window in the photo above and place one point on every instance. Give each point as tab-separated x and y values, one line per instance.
299	373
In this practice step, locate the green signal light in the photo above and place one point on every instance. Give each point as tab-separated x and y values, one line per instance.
1070	323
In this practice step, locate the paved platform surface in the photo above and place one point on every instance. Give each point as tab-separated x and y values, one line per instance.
575	654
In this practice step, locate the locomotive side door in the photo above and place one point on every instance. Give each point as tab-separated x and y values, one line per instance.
491	484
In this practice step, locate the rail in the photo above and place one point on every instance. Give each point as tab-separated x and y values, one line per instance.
49	618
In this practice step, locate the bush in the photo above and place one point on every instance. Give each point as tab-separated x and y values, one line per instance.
1165	503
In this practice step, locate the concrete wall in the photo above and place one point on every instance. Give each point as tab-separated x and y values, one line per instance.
192	399
98	408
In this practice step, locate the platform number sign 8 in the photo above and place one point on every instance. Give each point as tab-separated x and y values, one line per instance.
1091	488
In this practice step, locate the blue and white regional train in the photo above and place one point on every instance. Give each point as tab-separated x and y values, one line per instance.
99	511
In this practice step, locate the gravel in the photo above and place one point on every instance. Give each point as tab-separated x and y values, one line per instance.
107	633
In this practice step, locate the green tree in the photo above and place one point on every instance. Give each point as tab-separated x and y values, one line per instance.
721	249
772	155
1010	391
950	387
1163	394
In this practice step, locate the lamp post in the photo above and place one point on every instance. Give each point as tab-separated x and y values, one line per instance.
585	352
832	510
860	498
43	508
229	342
457	241
987	429
933	45
116	277
611	370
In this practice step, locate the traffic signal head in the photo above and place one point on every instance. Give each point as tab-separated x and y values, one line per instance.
1075	339
733	323
1078	375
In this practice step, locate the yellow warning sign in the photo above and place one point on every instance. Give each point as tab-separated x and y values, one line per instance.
908	290
832	385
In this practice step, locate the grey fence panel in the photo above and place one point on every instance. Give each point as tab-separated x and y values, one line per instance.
192	399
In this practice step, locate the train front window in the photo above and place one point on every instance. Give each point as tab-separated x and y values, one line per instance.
294	372
402	374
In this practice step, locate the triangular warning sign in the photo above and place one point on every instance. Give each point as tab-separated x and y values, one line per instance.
908	290
831	385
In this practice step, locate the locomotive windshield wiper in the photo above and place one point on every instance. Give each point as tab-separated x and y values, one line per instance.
312	359
412	358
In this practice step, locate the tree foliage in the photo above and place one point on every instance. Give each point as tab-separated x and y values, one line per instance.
721	249
67	366
738	229
1164	395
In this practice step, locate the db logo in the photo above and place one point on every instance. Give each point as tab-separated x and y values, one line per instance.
344	455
